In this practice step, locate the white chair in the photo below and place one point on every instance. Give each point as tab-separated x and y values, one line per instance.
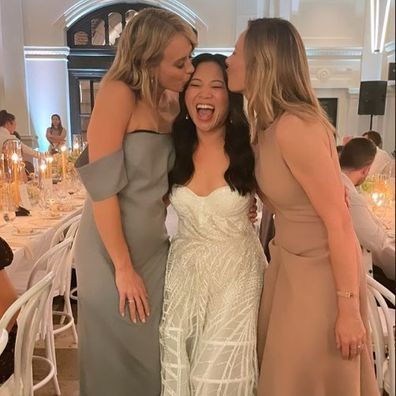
31	306
57	260
3	340
66	230
382	331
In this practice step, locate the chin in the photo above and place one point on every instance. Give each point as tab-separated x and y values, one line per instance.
234	88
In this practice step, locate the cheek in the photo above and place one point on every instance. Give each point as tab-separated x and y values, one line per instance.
223	105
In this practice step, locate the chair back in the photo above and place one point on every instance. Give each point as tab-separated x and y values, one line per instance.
382	330
31	306
67	229
57	260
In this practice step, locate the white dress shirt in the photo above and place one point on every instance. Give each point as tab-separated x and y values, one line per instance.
372	235
5	135
383	164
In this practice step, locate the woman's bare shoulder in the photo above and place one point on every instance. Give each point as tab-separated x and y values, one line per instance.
116	91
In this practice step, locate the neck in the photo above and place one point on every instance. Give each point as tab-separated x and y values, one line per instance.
211	138
353	177
6	129
158	96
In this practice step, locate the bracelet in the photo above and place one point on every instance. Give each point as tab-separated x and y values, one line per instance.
346	294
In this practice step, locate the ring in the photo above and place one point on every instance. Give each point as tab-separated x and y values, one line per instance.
130	301
359	347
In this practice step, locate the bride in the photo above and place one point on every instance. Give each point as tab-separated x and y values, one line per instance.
215	266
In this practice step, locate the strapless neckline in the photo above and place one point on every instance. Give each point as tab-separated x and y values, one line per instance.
208	195
148	131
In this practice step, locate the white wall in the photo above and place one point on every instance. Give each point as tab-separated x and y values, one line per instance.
335	33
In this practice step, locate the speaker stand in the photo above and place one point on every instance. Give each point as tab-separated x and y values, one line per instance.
371	122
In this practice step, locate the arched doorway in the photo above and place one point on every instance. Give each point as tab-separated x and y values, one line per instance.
93	41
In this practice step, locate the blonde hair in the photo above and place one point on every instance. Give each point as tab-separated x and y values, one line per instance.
141	48
277	75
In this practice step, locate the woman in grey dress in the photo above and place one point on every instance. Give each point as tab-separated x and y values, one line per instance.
122	245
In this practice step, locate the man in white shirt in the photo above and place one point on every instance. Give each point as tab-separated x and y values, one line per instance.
355	160
7	128
384	163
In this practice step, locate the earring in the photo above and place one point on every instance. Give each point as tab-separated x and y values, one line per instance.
187	117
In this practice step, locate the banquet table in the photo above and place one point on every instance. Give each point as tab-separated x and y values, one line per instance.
29	246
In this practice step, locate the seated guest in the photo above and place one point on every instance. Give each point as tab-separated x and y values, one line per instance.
7	129
7	297
56	134
355	160
383	163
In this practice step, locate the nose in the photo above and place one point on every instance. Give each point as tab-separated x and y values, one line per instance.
205	92
189	67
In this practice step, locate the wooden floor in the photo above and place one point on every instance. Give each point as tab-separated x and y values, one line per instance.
67	361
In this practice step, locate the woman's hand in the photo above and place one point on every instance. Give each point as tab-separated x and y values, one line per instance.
350	331
133	293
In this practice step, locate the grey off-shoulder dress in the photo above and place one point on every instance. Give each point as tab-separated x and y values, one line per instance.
118	357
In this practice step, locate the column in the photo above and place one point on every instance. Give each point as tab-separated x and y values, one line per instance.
13	95
48	88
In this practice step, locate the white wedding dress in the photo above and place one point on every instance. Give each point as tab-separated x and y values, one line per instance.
212	293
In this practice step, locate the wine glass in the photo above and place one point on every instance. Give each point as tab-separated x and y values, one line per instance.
8	212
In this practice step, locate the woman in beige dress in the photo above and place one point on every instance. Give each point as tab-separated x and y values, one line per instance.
313	331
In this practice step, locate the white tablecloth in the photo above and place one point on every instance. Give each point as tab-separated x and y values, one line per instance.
28	249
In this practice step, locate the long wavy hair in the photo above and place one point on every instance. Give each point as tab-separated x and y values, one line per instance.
277	75
240	173
60	126
141	47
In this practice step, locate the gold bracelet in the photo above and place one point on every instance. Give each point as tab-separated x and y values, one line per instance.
346	294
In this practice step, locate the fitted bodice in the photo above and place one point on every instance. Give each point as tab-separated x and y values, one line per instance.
219	216
138	175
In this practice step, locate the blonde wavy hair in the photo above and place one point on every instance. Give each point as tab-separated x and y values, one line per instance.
141	47
277	75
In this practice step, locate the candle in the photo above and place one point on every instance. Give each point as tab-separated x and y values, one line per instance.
2	168
43	169
49	161
15	169
63	151
76	148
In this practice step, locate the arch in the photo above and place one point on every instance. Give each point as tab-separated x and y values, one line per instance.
84	7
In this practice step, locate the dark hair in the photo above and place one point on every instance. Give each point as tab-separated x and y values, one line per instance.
60	127
240	173
339	150
357	153
5	117
374	136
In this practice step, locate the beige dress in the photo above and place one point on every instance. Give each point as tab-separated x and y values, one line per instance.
297	348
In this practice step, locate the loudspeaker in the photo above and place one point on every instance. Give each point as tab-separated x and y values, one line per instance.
391	71
372	97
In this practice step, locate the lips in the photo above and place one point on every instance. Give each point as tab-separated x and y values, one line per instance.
205	111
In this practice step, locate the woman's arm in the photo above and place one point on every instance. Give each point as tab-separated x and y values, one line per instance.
29	151
306	148
62	136
7	296
113	109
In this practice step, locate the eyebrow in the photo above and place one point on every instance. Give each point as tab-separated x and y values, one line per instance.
182	59
213	81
